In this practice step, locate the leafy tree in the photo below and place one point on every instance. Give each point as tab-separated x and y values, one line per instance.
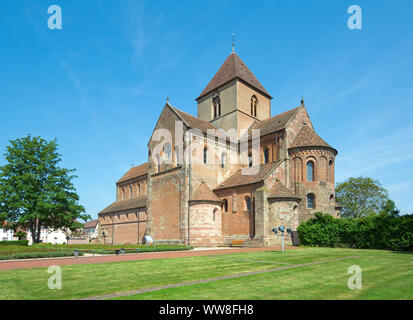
361	197
389	209
34	191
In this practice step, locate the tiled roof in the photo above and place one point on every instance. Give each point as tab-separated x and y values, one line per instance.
233	68
135	172
275	123
279	190
238	179
308	138
194	122
204	193
123	205
90	224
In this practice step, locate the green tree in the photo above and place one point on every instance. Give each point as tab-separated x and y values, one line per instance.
389	209
34	191
361	197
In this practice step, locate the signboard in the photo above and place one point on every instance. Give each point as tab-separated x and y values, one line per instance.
148	240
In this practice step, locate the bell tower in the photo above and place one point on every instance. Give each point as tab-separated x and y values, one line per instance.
234	98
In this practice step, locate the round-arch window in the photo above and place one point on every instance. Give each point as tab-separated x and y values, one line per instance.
266	155
310	201
310	171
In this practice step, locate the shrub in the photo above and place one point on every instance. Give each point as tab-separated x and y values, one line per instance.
373	232
34	255
15	242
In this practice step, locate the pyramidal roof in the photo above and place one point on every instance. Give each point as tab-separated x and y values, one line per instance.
204	193
233	68
307	137
281	191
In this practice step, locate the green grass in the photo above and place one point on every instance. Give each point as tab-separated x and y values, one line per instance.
386	275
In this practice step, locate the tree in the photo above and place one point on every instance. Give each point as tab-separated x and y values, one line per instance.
389	209
361	197
34	191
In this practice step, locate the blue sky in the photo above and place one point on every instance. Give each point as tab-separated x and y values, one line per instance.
99	84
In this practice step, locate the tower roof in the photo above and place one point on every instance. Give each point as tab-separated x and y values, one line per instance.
204	193
233	68
135	172
307	137
281	191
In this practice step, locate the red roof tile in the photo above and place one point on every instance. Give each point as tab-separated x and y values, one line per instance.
123	205
238	179
307	137
204	193
233	68
90	224
135	172
193	122
279	190
275	123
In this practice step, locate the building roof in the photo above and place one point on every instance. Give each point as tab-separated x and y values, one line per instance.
123	205
90	224
307	137
275	123
279	190
135	172
239	179
204	193
233	68
193	122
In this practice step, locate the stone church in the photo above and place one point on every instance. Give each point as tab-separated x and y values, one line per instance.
229	193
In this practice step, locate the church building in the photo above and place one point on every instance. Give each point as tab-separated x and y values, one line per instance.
256	173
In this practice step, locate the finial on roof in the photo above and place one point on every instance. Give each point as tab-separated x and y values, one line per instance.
302	101
167	100
233	42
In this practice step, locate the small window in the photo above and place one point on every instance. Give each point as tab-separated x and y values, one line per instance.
216	102
130	191
254	103
139	189
310	201
248	203
250	160
223	160
266	155
205	155
225	205
123	193
310	171
214	214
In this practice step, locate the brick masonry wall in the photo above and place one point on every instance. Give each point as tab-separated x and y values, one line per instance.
206	224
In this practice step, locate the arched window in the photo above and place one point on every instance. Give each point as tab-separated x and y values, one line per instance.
123	193
249	159
214	214
310	201
223	159
254	103
248	203
266	155
130	191
216	101
225	205
139	189
310	171
331	200
330	174
205	155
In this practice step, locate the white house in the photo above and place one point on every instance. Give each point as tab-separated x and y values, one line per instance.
48	235
7	234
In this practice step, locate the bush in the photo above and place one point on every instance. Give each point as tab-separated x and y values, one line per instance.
34	255
373	232
15	242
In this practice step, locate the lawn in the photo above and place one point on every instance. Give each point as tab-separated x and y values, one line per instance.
385	275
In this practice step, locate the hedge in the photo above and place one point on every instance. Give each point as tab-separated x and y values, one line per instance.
34	255
141	249
374	232
14	243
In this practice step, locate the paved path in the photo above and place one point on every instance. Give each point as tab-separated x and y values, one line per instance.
44	263
232	276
